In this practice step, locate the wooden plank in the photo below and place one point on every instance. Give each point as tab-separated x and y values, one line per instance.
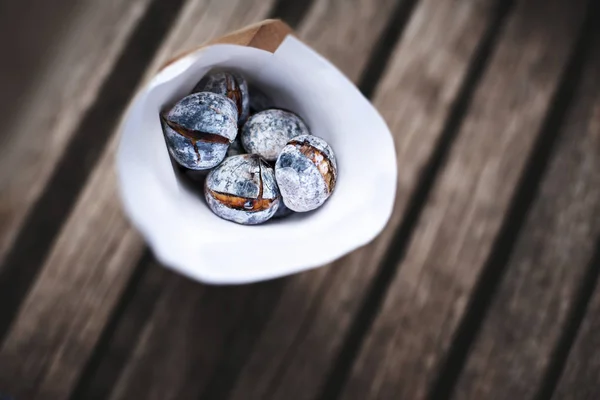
337	29
182	357
464	212
543	277
180	350
300	344
579	380
65	311
65	89
27	52
199	24
266	35
103	367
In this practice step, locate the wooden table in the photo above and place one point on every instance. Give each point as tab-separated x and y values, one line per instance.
482	286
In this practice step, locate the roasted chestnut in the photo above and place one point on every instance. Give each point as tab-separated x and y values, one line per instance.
199	129
266	132
242	189
229	84
306	173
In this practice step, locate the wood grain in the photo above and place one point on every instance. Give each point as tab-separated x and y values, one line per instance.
303	338
26	53
346	32
281	339
550	259
177	352
265	35
74	71
97	250
113	349
464	212
579	380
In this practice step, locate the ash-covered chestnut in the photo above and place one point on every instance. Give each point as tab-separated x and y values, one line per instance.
242	189
229	84
199	129
266	133
306	173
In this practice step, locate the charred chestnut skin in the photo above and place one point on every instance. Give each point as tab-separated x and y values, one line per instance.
229	84
306	173
199	129
242	189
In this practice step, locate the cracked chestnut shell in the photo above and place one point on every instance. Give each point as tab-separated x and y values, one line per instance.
199	129
229	84
267	132
242	189
306	173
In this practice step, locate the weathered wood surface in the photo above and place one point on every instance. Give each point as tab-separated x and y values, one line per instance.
582	369
579	380
474	92
24	53
464	212
543	278
70	76
96	251
46	155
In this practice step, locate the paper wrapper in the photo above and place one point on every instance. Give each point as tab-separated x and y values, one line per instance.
182	231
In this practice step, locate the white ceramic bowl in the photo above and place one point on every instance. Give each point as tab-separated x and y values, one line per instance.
186	236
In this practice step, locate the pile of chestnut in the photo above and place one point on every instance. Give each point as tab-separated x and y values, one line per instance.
263	161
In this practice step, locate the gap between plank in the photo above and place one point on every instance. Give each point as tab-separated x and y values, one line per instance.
291	11
382	52
81	388
379	287
577	313
254	318
46	218
300	334
514	220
